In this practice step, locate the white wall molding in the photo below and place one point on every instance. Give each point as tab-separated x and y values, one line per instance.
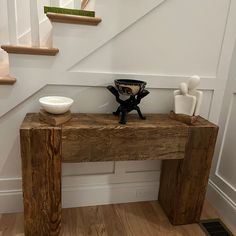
39	81
108	194
10	185
224	60
225	205
217	177
11	202
126	184
225	186
155	81
223	45
223	195
221	191
112	25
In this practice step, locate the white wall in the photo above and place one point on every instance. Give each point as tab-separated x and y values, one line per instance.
161	42
222	184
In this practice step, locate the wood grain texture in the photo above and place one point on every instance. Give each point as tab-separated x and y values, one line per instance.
72	19
130	219
99	137
41	176
52	119
30	50
184	182
7	80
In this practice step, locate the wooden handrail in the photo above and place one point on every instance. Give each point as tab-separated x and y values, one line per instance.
72	19
30	50
7	80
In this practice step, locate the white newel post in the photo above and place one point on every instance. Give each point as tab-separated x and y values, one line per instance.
12	21
55	3
34	22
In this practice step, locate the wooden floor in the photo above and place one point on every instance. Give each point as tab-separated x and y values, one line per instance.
136	219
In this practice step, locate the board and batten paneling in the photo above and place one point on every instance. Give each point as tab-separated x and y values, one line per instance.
227	162
222	187
176	38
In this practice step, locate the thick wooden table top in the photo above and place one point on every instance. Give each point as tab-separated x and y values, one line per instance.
99	137
90	120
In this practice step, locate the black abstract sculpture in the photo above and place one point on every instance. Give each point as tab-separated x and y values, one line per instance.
134	89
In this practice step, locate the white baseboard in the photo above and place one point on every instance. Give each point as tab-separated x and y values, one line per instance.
224	205
11	201
87	184
108	194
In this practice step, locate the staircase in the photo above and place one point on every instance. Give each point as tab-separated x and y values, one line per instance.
35	47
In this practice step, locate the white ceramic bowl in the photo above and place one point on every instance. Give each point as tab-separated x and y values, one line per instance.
56	104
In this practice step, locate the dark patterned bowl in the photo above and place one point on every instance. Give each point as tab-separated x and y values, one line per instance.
129	86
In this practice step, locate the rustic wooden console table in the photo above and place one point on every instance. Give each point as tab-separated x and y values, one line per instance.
186	152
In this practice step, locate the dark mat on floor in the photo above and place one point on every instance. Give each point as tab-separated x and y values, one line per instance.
215	227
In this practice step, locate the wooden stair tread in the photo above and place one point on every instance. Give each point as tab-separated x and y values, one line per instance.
73	19
30	50
7	80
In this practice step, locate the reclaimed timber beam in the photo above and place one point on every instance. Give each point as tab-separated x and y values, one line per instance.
72	19
41	178
184	182
30	50
99	137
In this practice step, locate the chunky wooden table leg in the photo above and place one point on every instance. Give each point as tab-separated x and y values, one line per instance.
184	182
41	171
